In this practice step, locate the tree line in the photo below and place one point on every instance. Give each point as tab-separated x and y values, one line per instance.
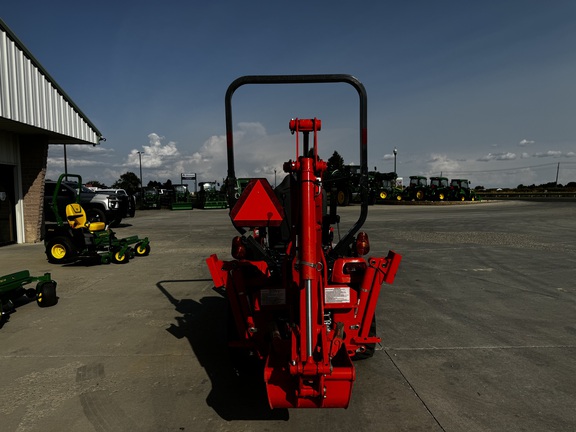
130	182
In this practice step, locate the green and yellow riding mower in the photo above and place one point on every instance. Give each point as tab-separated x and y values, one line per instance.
12	289
77	238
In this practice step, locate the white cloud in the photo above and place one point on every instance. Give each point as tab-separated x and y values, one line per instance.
549	153
497	156
154	155
250	129
439	163
525	142
55	167
58	162
256	154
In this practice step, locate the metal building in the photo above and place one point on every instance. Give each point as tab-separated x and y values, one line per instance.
34	112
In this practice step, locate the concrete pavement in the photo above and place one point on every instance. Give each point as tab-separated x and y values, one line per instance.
479	331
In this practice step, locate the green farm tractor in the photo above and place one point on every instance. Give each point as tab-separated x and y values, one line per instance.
417	189
210	196
345	183
385	186
151	199
12	289
461	191
439	189
181	198
74	237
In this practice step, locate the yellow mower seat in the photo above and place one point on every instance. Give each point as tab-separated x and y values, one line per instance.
76	217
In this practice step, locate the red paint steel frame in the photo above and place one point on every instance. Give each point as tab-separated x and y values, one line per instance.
303	306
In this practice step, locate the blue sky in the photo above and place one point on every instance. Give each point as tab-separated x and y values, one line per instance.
476	89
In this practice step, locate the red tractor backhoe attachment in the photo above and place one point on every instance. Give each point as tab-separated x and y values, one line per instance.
300	303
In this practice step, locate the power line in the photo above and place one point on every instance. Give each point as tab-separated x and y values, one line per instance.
511	170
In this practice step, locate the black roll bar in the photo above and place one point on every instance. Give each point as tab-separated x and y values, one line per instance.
339	249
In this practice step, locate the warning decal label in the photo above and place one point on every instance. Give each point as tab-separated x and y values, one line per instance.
337	295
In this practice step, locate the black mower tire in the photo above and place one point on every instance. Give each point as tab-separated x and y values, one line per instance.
117	259
140	250
60	250
46	294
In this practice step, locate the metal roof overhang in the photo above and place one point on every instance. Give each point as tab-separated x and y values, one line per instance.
53	137
70	125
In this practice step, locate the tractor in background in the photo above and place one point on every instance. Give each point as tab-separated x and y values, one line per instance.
417	189
344	183
151	199
460	190
181	198
210	196
385	186
439	189
301	301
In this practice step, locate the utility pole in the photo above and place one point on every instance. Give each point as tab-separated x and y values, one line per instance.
65	161
141	184
395	153
557	171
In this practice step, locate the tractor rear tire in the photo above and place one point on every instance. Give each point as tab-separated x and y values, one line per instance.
343	198
60	250
383	195
420	195
46	294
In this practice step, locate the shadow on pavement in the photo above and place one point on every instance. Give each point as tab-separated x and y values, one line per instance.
203	323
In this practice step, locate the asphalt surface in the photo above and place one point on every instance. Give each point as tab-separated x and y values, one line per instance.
479	331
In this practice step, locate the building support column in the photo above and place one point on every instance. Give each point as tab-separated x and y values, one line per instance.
33	160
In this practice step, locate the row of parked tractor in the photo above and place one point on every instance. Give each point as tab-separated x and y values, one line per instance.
384	187
179	197
438	189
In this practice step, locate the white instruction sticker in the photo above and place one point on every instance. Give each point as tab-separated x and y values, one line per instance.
337	295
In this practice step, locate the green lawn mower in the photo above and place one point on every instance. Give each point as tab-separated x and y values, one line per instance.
77	238
12	289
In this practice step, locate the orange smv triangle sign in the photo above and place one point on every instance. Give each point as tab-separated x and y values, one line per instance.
257	206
